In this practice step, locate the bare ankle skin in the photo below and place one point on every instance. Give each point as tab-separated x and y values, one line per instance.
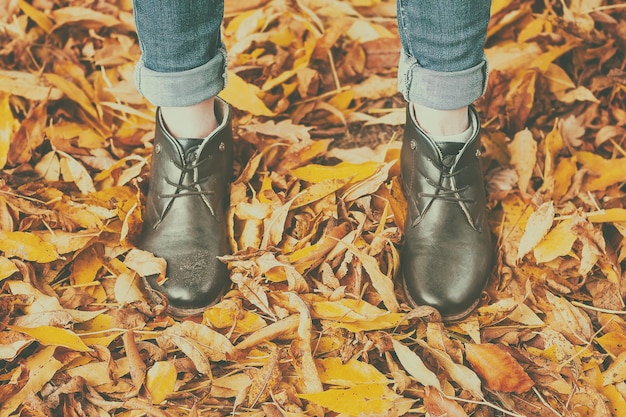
193	122
441	122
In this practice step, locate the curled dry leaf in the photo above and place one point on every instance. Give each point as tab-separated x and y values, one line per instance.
497	367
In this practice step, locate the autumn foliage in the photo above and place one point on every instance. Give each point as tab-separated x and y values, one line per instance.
314	323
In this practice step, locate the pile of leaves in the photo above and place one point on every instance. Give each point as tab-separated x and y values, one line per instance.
314	323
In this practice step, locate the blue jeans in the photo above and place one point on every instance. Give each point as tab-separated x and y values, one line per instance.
442	62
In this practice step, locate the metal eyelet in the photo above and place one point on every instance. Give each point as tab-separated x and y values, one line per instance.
478	153
413	145
222	147
157	148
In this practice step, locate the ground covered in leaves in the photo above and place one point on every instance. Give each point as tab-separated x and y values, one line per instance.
314	324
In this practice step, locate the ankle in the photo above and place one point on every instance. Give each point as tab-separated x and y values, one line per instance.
191	122
441	122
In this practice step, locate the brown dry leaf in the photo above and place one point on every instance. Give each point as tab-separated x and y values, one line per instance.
568	319
145	263
616	372
498	368
200	343
42	366
438	406
264	380
523	151
415	366
462	375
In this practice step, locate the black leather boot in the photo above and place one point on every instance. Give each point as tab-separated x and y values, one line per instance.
185	215
447	254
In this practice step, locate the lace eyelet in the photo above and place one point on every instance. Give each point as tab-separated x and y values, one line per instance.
157	148
413	145
478	153
222	147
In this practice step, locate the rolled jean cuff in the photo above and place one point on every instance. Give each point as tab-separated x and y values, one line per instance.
440	90
182	88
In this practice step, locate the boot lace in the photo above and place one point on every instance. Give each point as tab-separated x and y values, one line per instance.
186	190
442	192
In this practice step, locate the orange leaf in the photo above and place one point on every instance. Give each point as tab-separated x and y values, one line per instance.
499	370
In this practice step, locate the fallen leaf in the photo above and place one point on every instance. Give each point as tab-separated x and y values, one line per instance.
538	225
161	381
500	371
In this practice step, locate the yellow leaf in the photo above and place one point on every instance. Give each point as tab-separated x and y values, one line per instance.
563	174
6	129
414	365
354	372
244	96
227	312
161	381
369	399
616	372
314	173
558	242
604	172
74	93
7	268
37	16
536	228
613	342
27	246
54	336
558	80
553	145
612	215
318	191
66	242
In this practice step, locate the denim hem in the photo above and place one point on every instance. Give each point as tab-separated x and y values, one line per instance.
440	90
182	88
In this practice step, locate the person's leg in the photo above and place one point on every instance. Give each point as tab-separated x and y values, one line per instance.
447	254
182	69
183	61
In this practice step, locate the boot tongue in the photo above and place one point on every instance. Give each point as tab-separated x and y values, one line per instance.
449	151
187	145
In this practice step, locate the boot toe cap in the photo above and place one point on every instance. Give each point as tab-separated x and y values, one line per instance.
452	283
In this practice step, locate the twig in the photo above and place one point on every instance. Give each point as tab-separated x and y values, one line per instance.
598	309
485	403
